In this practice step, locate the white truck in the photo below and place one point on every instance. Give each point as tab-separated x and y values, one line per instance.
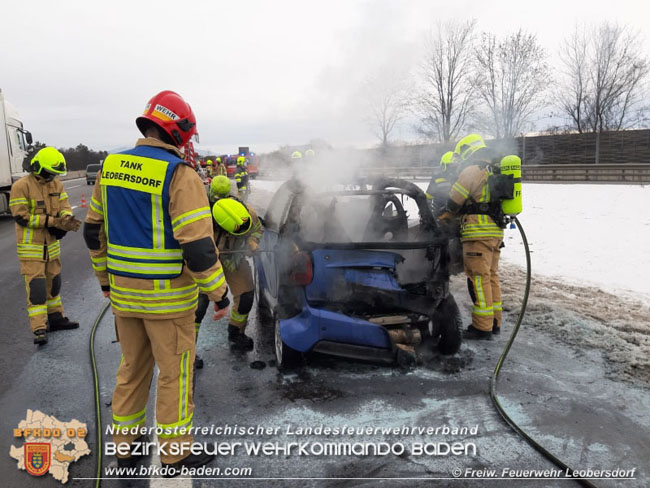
14	141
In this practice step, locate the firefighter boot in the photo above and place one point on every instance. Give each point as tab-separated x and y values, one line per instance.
238	339
496	329
191	461
198	362
58	322
473	333
40	337
134	459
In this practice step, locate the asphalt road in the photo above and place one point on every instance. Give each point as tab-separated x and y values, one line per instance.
558	393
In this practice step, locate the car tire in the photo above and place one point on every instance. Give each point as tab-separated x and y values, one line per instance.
450	326
285	357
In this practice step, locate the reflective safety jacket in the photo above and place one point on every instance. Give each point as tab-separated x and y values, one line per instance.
149	231
241	178
31	202
228	242
221	169
472	187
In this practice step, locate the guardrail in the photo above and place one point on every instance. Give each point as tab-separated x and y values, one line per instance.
603	173
608	173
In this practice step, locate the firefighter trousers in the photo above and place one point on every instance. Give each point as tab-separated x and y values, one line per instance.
481	264
241	285
43	287
168	343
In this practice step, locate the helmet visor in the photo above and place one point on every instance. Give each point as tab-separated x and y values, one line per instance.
243	228
58	169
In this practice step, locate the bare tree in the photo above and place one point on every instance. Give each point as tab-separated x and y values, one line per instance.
387	103
444	103
511	77
603	80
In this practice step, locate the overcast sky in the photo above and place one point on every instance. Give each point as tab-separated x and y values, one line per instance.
258	73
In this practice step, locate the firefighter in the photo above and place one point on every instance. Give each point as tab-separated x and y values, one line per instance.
41	209
440	184
149	231
238	231
481	235
241	178
221	168
209	168
220	187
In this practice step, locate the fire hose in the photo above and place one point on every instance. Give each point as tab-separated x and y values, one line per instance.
495	376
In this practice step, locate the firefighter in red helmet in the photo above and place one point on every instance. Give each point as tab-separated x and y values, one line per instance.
149	231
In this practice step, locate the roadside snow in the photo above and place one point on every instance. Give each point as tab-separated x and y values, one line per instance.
590	235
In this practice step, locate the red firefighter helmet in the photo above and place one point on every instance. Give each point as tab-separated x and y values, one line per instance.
172	114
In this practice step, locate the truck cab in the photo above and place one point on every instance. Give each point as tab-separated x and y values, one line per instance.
14	142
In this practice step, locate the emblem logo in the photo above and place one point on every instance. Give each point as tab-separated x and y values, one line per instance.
37	458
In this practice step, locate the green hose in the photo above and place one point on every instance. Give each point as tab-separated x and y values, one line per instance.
98	412
497	370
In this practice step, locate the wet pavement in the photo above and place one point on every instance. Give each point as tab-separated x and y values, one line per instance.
560	394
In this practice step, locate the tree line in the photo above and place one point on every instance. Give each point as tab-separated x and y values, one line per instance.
499	85
76	158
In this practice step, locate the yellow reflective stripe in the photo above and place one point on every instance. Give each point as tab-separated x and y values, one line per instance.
36	310
478	288
130	420
99	264
139	292
95	207
18	201
497	306
63	213
191	216
157	222
143	253
34	221
237	317
176	429
483	312
28	234
184	386
460	189
214	281
197	326
105	204
134	173
34	247
63	196
154	308
144	268
54	302
54	249
160	295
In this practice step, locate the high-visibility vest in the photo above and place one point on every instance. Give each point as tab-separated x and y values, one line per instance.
139	230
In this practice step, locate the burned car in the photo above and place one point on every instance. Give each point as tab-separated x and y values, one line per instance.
358	271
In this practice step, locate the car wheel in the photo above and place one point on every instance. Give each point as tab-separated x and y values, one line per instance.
285	357
450	326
